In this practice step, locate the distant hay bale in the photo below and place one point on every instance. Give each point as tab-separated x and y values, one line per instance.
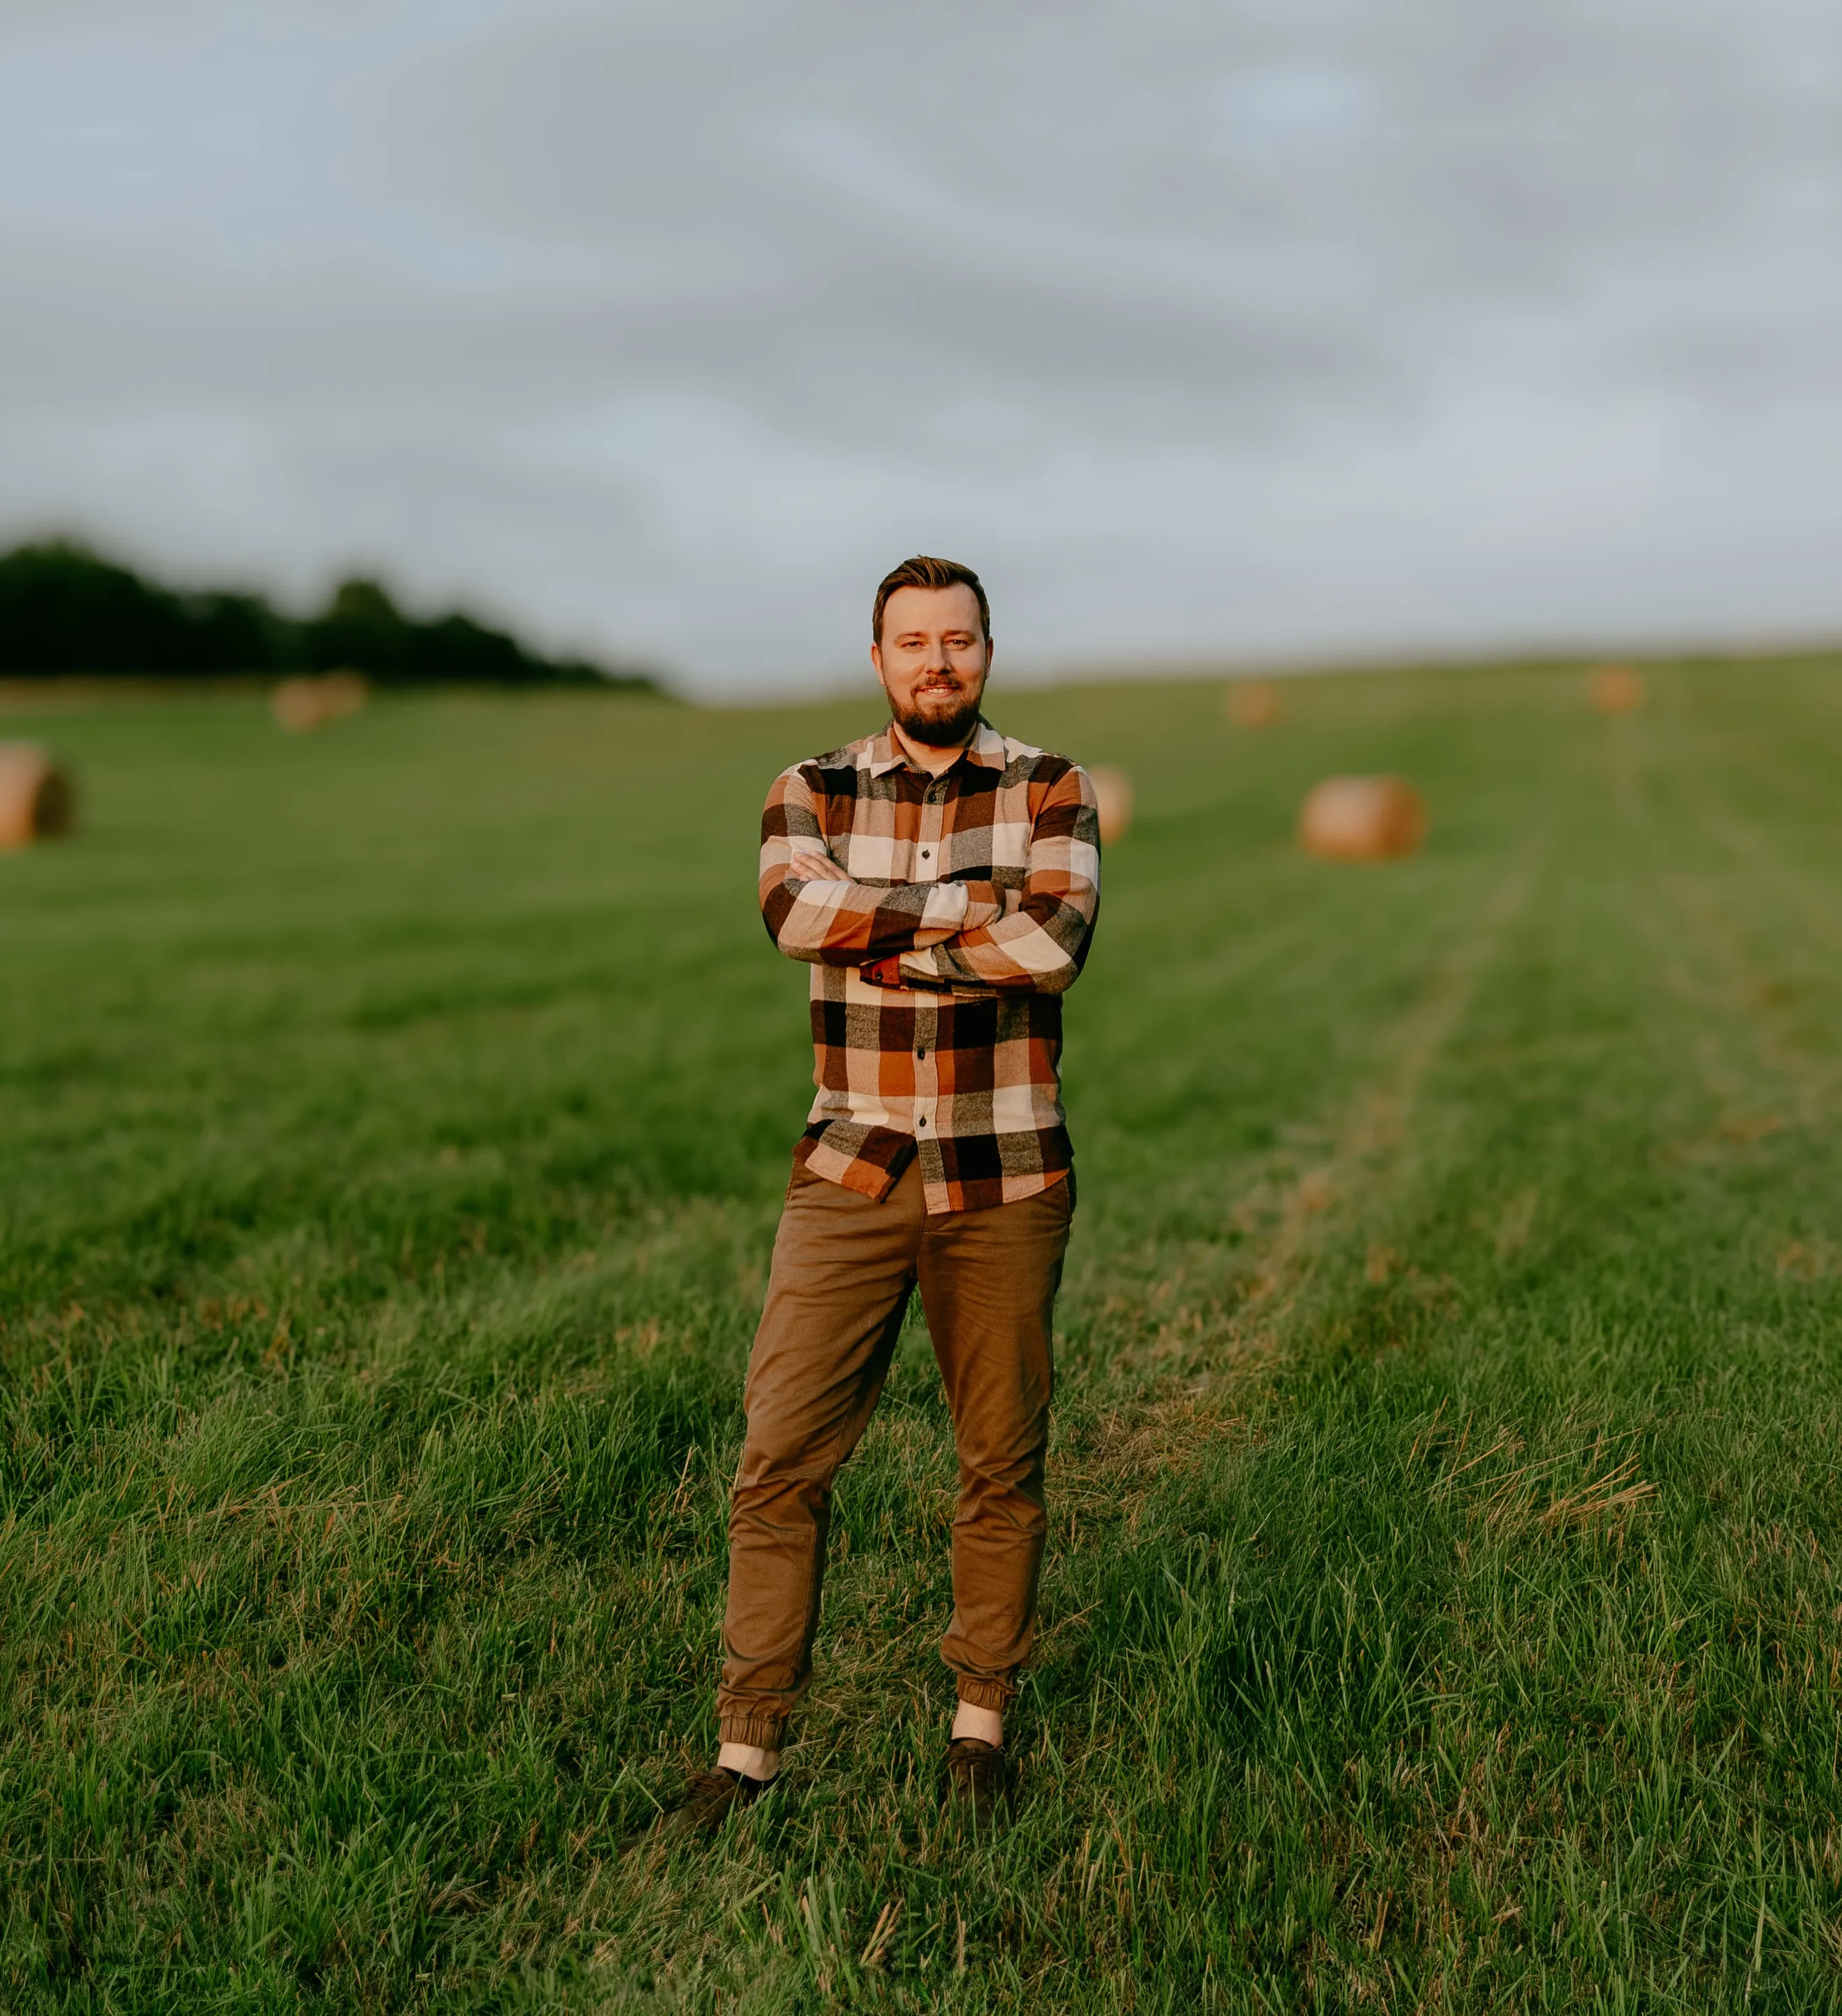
36	799
1253	702
1615	689
1113	788
299	704
296	705
1362	819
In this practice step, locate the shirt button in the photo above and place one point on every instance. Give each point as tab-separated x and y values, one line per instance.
924	854
922	1121
919	1052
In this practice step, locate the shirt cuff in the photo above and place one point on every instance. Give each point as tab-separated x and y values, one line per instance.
919	969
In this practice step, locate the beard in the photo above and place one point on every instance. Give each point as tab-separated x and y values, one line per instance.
942	729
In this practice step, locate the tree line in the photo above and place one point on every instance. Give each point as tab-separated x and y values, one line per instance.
65	610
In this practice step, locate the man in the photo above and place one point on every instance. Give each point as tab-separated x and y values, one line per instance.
942	881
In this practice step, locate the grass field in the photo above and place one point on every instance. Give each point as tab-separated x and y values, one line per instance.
1445	1602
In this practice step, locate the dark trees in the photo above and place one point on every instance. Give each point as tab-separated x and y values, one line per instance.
64	610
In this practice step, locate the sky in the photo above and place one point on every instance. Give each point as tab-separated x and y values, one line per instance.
1209	334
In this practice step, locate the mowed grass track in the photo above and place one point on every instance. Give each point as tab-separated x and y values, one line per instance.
1443	1606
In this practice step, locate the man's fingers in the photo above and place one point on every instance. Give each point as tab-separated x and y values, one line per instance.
818	868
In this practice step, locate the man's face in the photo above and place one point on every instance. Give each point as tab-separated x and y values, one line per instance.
932	659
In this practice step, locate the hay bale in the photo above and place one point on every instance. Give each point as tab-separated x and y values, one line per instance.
295	705
1113	788
1253	703
1362	819
36	799
1615	689
299	704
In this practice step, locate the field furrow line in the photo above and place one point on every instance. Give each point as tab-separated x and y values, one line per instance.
1165	1424
1377	1128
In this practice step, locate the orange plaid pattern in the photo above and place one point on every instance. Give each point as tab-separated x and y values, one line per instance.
939	967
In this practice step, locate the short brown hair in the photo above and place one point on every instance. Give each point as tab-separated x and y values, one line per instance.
925	571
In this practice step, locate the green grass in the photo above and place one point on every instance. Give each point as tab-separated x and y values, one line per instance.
1443	1608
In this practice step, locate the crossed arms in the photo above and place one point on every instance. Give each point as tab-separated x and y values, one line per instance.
944	936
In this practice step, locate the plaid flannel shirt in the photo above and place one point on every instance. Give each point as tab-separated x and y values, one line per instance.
938	969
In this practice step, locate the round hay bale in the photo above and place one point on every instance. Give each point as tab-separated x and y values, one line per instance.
301	703
1253	703
298	705
36	799
1362	819
1113	789
1615	689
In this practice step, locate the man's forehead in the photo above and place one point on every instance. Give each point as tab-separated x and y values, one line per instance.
912	608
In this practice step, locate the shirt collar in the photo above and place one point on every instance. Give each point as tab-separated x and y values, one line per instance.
987	746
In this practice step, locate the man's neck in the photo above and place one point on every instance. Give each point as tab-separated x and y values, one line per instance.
926	755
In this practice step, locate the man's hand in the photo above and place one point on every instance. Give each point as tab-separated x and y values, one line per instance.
813	867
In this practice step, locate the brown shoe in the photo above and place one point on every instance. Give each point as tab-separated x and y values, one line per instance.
975	1777
707	1800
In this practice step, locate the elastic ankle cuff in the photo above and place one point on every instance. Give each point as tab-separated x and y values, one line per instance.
996	1695
759	1732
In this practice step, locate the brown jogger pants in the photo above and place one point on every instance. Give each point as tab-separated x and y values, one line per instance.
843	1266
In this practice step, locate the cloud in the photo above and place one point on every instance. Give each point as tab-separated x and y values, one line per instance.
667	328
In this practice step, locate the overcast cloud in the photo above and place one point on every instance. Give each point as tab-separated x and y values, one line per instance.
1203	332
